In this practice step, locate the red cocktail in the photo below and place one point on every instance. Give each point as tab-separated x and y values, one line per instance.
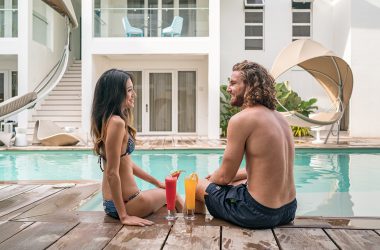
171	186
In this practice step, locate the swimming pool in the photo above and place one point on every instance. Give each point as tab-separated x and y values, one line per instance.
329	182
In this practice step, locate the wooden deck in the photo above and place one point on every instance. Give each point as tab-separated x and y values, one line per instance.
35	216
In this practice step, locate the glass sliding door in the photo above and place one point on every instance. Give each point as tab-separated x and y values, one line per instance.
186	101
160	102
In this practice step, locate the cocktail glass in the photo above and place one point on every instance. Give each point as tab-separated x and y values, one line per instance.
171	186
190	186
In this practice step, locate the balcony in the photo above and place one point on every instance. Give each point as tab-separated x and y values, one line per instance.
149	18
8	20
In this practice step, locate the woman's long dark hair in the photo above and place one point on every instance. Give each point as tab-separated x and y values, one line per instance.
109	95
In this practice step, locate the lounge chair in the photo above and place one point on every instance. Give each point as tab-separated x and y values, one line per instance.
48	133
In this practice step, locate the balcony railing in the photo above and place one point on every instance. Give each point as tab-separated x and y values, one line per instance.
151	22
8	22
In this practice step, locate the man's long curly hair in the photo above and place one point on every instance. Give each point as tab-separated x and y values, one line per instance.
260	84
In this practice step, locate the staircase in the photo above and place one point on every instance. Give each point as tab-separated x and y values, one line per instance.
64	103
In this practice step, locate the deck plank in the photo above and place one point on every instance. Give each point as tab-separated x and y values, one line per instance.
78	238
65	201
37	236
24	199
10	228
186	235
355	239
14	190
234	238
303	238
130	237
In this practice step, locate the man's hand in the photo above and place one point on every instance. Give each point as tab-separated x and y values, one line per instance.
135	221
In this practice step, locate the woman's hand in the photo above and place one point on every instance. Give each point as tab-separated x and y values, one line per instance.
160	184
135	221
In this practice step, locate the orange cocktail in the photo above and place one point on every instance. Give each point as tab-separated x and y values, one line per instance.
190	186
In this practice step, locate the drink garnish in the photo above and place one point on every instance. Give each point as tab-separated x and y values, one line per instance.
177	173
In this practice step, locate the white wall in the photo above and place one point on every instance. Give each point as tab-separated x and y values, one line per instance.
42	58
163	62
8	62
277	35
365	62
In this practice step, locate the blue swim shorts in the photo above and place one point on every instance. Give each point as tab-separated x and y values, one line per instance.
110	209
236	205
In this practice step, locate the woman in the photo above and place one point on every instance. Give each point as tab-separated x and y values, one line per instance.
114	141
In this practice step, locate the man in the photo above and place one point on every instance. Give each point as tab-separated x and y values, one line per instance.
267	198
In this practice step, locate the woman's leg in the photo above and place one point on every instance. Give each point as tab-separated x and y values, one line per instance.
147	202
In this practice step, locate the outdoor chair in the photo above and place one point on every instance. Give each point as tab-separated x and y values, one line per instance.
175	28
130	30
48	133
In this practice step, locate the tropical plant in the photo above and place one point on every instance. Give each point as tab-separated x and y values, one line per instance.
290	100
226	110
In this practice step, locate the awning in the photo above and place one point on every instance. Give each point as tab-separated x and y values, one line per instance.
331	71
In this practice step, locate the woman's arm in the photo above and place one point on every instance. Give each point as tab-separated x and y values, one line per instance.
113	144
145	176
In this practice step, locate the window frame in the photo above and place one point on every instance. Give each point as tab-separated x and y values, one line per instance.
262	24
310	24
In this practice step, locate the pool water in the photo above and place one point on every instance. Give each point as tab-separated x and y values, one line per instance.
329	182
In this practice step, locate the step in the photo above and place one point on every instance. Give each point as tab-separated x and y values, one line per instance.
68	84
61	97
73	93
59	107
73	113
62	102
57	118
71	79
68	87
61	124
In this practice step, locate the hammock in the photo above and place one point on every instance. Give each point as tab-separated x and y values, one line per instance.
330	71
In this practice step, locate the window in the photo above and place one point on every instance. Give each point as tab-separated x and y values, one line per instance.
253	3
40	23
301	20
254	28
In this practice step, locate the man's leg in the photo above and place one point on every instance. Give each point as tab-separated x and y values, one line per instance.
200	192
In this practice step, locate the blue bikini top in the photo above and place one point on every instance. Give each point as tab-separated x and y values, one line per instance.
130	148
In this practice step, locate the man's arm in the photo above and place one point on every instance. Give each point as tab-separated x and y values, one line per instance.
233	154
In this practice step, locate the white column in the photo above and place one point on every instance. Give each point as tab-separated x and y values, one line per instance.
214	69
87	63
24	37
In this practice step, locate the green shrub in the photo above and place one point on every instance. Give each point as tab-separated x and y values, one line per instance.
287	97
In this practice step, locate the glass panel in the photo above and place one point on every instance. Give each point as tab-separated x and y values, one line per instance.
40	22
253	44
137	111
189	13
14	83
301	17
147	18
301	30
302	6
2	79
8	18
160	102
254	17
186	101
253	30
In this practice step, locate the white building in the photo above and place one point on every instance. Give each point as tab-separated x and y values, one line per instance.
178	78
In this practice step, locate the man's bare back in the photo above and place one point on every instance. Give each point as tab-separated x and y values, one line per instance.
269	156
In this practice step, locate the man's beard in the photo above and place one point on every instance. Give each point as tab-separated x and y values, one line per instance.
238	102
